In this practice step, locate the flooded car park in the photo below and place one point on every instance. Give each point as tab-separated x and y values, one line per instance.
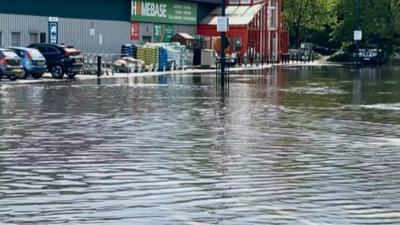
302	145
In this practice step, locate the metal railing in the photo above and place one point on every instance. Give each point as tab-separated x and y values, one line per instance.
107	64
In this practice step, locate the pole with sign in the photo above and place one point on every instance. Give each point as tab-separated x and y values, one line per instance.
357	32
222	26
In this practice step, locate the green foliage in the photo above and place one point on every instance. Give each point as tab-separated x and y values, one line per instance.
314	20
379	20
307	17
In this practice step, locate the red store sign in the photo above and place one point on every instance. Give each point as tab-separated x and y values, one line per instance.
135	31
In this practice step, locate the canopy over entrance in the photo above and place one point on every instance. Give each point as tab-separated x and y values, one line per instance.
238	15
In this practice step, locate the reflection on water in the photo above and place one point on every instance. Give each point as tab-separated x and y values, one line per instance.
284	146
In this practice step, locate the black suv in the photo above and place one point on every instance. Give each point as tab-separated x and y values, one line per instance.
61	59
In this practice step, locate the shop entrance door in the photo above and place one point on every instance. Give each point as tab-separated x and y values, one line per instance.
146	39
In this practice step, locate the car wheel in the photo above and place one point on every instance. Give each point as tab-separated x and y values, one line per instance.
57	72
24	74
37	76
12	77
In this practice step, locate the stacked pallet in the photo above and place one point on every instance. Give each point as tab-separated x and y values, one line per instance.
141	53
163	59
163	55
151	55
174	56
129	50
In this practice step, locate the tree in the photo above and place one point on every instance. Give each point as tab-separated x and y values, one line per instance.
380	22
305	17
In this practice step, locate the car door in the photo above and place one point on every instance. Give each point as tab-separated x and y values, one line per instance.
1	65
54	56
21	54
43	50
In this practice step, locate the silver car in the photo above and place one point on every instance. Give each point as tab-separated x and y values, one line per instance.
10	65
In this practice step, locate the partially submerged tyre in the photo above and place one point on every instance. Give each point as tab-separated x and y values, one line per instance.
12	77
24	74
57	71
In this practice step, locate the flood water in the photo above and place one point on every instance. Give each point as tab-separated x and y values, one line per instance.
298	146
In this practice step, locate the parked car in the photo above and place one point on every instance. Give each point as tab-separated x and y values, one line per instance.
32	60
371	55
10	64
61	59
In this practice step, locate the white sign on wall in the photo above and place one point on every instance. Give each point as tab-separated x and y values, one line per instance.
100	39
222	24
92	32
53	19
357	35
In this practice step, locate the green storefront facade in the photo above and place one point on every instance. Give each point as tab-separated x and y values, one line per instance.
99	25
159	20
166	11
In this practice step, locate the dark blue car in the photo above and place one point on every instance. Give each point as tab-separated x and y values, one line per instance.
32	60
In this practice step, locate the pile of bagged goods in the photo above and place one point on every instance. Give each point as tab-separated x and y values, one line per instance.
152	57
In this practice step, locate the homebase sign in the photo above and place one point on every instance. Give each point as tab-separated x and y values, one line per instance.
167	11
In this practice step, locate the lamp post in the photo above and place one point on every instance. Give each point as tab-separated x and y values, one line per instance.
223	45
357	39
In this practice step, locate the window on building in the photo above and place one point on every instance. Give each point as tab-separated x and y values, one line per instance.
273	15
15	39
33	38
43	38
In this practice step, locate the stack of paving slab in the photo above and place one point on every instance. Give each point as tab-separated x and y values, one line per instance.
162	55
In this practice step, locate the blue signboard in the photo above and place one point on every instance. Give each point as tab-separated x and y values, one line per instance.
53	32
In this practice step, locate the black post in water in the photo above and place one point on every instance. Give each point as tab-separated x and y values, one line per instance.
223	44
357	29
98	66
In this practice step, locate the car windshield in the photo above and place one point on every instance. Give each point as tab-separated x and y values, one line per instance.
35	53
10	54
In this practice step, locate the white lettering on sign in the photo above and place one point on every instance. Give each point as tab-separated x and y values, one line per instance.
154	9
134	8
149	9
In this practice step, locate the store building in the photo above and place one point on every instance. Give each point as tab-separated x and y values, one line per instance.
255	29
98	26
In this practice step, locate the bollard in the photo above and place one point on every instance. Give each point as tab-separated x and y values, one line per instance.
98	66
257	59
245	59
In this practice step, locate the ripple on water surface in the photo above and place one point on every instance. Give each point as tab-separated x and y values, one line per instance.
170	150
